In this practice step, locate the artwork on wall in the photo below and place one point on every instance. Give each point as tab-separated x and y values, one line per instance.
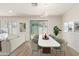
22	27
65	27
76	26
71	27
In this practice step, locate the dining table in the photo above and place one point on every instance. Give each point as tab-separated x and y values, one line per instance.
47	44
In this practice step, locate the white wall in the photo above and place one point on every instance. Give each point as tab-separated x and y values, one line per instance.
72	37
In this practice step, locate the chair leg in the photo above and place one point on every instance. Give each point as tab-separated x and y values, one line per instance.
40	51
64	53
56	53
52	51
60	53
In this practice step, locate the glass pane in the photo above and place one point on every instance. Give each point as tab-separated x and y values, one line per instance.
38	27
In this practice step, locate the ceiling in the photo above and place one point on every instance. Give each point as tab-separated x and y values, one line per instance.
24	9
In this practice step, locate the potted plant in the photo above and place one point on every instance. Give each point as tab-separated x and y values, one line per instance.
56	30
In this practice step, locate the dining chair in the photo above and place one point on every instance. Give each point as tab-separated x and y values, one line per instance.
60	49
35	42
63	45
35	46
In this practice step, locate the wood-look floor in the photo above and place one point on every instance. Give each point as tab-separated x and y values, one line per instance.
26	50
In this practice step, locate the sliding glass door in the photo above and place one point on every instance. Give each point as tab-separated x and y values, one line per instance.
38	27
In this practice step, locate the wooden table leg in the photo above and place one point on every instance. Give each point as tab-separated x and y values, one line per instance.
46	50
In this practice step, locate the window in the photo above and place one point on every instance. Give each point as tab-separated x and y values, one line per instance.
38	26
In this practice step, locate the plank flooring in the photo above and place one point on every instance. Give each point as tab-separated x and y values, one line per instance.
26	50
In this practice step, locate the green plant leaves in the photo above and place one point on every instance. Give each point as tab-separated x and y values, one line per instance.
56	30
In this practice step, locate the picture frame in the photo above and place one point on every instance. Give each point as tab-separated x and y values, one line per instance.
71	27
65	27
22	27
76	27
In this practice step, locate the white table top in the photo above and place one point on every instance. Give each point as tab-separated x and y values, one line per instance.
47	43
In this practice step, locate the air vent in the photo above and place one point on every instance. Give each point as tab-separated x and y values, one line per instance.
34	4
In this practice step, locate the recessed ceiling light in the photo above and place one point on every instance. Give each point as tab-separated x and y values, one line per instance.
10	11
34	4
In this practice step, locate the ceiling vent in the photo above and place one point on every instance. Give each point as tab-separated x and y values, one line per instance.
34	4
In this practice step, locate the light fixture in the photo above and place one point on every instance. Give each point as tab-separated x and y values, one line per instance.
44	14
34	4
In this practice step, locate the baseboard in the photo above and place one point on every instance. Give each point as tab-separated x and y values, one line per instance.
3	54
